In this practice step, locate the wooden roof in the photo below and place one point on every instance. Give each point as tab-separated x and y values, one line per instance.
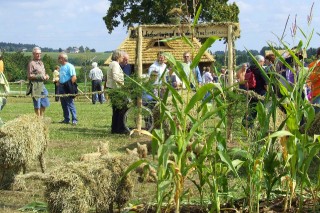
151	46
284	53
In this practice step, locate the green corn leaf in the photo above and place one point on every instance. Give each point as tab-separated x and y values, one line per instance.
225	158
207	44
198	96
196	18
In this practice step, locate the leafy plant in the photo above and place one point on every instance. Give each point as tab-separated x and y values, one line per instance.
34	207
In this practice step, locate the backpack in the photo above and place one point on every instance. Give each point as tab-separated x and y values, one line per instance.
250	79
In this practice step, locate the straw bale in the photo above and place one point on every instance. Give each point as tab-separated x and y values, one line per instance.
314	127
22	141
147	173
80	186
102	150
280	117
133	152
20	179
142	150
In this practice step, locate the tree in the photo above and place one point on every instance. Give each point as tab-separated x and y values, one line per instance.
81	49
132	12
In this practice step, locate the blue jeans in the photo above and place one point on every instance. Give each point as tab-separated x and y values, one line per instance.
67	106
96	87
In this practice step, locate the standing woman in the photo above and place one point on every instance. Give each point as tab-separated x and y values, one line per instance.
241	75
56	81
4	85
115	79
1	64
314	81
37	75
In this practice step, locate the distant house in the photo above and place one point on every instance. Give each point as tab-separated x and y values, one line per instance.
150	48
73	50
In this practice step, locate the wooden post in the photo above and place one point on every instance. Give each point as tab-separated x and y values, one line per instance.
139	62
230	55
230	80
21	87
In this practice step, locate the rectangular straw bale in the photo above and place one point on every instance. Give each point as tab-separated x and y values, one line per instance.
80	186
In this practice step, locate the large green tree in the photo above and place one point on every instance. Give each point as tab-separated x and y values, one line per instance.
131	12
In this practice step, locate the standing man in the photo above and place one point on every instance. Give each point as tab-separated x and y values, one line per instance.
125	66
159	66
56	81
96	77
195	72
36	74
67	78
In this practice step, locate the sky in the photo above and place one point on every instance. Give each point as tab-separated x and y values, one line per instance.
64	23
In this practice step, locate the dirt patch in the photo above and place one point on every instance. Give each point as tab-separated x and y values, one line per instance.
274	206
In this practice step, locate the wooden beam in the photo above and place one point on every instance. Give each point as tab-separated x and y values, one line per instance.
203	30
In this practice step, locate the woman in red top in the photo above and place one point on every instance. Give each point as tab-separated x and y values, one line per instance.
314	81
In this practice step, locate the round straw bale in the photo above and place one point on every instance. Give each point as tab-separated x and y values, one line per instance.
22	141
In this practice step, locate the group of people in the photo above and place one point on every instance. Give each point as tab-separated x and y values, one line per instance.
194	75
65	75
64	78
270	64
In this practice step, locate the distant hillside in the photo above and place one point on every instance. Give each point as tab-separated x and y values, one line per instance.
12	47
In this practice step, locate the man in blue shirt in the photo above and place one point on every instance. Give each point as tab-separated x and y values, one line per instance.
67	74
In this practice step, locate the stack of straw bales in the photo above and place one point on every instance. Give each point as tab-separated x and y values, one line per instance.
80	186
22	141
103	150
314	127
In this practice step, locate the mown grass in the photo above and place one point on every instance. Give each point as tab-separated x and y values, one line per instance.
67	143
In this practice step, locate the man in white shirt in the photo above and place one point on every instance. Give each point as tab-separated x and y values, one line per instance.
96	77
159	66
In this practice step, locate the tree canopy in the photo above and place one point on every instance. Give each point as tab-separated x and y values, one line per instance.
131	12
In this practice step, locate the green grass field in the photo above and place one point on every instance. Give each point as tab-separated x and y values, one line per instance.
67	143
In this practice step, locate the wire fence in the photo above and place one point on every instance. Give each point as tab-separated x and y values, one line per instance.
20	92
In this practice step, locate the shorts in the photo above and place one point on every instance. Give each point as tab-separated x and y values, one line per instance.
41	102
